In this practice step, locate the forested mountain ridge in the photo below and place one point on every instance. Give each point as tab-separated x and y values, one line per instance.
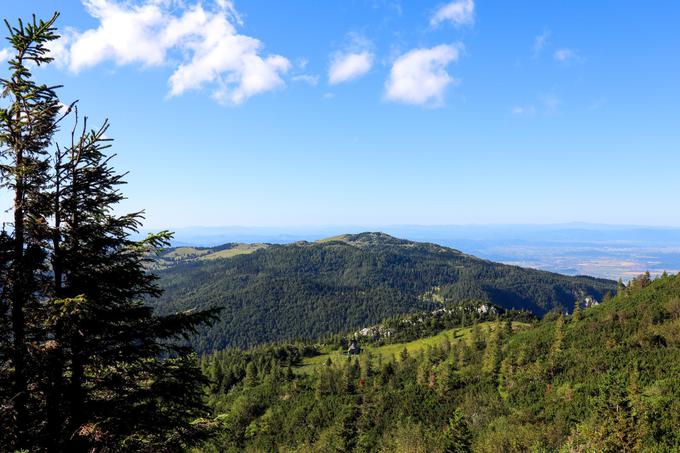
603	379
306	290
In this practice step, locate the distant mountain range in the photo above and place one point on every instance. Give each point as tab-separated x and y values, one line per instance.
272	292
574	232
608	251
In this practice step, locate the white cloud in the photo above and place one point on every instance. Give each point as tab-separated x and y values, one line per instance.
349	66
458	12
419	76
60	49
4	54
565	55
201	44
126	34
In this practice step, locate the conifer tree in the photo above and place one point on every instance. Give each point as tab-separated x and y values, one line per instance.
387	371
403	355
457	437
323	383
617	426
448	378
423	372
555	353
27	126
250	379
350	375
104	372
620	287
491	358
366	365
505	375
6	412
446	345
576	314
347	428
507	327
477	339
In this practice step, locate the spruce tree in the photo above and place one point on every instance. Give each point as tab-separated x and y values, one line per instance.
457	437
492	352
125	367
555	353
507	328
6	410
27	125
617	424
250	379
477	339
620	287
104	373
576	314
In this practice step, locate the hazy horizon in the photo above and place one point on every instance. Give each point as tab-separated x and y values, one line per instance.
611	251
423	225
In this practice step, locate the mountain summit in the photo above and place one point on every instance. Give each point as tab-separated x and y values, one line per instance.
271	292
366	239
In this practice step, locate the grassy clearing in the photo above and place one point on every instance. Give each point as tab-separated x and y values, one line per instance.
240	249
392	350
185	252
341	238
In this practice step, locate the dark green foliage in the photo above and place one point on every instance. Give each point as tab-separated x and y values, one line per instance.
86	366
605	381
457	437
409	327
26	128
306	290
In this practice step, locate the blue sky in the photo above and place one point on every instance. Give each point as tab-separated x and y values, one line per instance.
379	112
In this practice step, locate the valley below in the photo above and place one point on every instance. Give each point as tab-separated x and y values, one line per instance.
366	342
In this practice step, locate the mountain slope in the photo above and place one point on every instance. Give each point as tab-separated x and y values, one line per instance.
311	289
604	379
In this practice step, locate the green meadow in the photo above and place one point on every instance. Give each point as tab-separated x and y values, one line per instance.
391	351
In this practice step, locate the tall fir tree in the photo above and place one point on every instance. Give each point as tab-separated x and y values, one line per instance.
6	381
27	125
104	373
110	339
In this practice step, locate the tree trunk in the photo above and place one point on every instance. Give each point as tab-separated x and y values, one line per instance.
18	299
56	365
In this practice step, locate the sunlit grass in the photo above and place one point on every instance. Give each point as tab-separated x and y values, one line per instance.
389	351
240	249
